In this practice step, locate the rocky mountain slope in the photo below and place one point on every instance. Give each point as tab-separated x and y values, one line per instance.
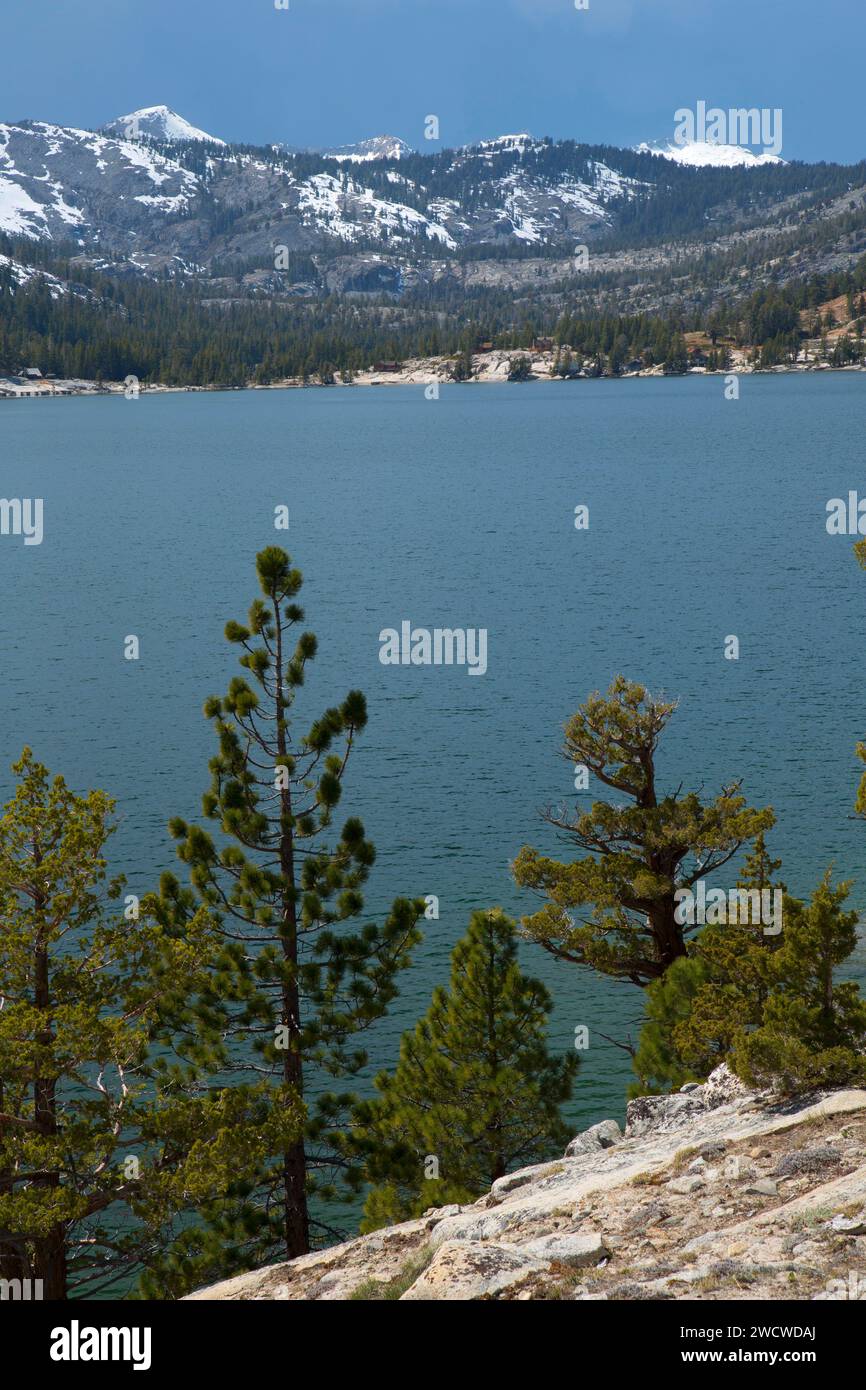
377	147
145	192
713	1193
157	123
151	194
147	236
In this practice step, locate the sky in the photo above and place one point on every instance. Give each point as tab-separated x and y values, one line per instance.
326	72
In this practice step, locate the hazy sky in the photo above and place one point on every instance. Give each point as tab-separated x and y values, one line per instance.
330	71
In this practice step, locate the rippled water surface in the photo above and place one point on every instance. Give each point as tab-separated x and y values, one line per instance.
707	518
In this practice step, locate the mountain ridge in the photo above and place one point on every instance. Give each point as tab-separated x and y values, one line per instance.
157	123
148	190
333	265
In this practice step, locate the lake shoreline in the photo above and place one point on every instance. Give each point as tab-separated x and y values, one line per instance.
409	376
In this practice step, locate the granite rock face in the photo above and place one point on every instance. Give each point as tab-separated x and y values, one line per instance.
601	1136
712	1193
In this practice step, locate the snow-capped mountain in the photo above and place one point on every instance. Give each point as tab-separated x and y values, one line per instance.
157	123
378	147
703	154
505	144
130	208
111	191
62	184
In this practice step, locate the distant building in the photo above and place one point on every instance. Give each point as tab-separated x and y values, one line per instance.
14	387
387	367
32	374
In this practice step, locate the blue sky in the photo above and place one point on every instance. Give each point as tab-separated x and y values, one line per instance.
329	71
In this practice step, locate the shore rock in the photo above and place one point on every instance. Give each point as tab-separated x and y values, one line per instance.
601	1136
713	1193
465	1270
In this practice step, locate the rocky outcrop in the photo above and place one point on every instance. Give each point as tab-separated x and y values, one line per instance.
712	1193
602	1136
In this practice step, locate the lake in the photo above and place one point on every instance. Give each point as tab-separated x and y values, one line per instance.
707	519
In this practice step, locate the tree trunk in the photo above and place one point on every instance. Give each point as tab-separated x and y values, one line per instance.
668	934
296	1215
50	1251
13	1254
50	1264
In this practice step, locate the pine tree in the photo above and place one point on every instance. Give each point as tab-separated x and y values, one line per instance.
293	986
660	1061
699	1008
643	852
98	1160
475	1092
813	1026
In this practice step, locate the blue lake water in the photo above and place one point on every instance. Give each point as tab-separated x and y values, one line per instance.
707	518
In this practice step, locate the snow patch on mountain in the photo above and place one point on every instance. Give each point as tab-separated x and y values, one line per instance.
178	202
352	211
157	123
23	275
19	214
610	183
537	207
377	147
703	154
43	168
504	144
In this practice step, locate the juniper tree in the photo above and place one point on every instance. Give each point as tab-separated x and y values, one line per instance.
615	909
475	1092
97	1160
294	984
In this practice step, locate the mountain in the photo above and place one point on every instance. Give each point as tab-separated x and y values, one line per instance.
61	184
158	202
157	123
531	227
703	154
505	144
153	194
378	147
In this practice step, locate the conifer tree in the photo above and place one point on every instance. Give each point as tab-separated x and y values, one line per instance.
660	1060
293	985
699	1008
98	1160
615	910
475	1092
813	1025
